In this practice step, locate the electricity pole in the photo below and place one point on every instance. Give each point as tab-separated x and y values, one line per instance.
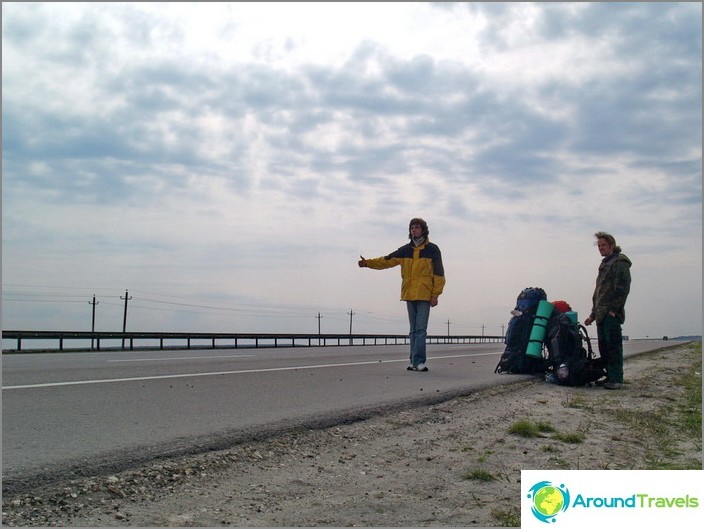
351	313
124	319
319	318
448	327
92	325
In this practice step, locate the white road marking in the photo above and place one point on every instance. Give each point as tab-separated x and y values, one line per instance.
238	372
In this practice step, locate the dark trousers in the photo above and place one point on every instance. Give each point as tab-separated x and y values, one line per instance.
610	342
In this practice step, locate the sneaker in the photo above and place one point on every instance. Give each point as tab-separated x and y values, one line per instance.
412	368
422	367
612	385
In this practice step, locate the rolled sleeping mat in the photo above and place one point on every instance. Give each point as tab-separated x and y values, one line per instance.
537	333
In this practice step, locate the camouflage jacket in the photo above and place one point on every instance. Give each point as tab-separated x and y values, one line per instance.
612	287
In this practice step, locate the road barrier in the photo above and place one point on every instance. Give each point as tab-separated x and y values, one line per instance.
100	341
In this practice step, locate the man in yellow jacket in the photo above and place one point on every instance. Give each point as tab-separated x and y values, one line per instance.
422	282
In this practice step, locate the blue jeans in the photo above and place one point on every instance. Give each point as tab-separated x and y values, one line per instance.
418	315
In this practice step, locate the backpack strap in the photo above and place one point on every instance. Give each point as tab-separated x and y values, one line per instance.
591	354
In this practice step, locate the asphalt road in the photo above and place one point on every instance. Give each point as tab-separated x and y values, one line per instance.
78	413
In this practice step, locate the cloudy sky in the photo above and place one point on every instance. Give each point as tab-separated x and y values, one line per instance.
226	164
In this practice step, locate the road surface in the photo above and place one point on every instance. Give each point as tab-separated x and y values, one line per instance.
78	413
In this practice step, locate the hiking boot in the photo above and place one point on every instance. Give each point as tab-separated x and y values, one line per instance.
422	367
412	368
612	385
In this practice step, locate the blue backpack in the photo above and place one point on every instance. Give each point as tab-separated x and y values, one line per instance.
514	359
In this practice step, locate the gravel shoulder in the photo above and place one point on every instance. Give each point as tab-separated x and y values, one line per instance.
449	464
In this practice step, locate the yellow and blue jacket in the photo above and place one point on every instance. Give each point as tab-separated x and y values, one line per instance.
422	271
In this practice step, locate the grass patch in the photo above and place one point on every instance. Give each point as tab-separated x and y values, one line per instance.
653	423
545	427
678	420
509	517
690	408
526	428
573	438
478	475
665	463
578	402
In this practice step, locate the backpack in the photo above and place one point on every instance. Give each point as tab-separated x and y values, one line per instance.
571	360
514	359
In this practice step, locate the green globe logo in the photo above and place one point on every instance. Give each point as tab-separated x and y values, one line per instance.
548	500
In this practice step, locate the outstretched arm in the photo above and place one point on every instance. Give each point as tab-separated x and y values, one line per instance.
379	263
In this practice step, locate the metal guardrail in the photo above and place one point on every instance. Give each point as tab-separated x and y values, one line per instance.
185	340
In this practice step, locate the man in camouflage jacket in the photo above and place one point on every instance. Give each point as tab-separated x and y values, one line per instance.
613	283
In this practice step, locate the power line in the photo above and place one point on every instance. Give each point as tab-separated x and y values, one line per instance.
156	302
44	301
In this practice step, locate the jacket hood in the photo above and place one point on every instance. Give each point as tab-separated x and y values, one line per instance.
618	256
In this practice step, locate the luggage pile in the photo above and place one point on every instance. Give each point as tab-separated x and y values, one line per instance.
545	338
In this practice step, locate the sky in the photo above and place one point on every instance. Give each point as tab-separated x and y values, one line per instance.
224	165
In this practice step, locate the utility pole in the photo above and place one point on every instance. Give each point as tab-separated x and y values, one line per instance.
319	318
124	319
482	330
351	313
92	325
448	327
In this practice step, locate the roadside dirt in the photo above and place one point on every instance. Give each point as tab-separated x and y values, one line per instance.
450	464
